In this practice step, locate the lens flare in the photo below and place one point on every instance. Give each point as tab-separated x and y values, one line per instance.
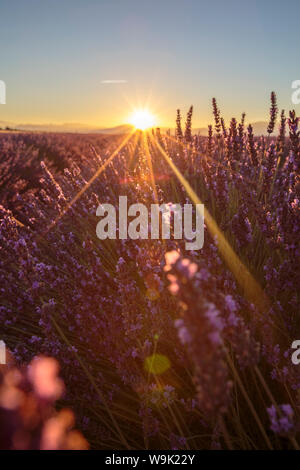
157	364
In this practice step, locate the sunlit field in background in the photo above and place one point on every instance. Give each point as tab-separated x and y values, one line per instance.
151	346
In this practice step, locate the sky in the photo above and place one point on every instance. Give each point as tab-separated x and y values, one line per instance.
57	58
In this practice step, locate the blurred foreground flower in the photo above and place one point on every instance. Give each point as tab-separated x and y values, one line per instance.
28	419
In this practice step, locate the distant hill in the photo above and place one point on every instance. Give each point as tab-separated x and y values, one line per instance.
123	129
259	127
67	127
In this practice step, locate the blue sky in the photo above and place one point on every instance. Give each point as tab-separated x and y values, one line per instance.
54	56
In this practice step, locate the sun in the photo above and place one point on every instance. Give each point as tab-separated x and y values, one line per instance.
142	119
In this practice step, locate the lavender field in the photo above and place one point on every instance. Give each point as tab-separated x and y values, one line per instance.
158	347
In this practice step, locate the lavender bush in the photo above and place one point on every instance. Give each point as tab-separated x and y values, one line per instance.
159	348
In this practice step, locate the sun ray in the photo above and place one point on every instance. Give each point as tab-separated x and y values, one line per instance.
88	184
137	138
249	285
149	161
215	161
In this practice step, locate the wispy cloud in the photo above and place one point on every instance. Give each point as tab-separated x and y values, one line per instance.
113	81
